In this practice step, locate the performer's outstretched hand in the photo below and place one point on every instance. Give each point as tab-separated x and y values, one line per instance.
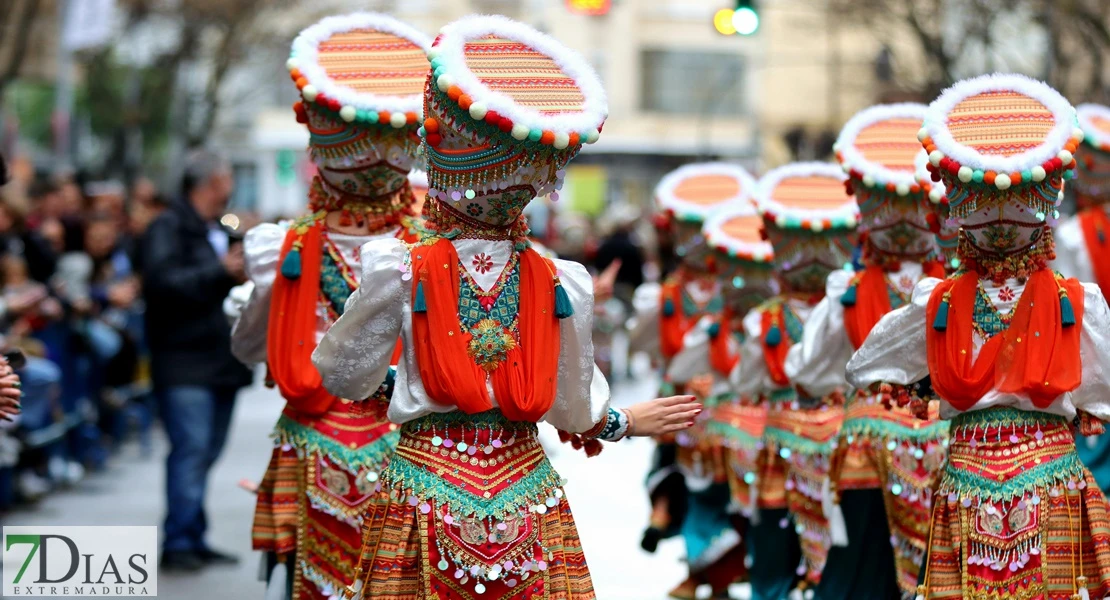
663	415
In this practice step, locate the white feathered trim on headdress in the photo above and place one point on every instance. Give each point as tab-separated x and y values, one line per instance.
874	174
843	216
684	210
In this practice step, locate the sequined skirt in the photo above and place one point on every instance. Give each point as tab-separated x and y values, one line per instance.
321	476
800	442
470	508
903	455
1016	515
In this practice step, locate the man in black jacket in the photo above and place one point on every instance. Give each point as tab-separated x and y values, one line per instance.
189	264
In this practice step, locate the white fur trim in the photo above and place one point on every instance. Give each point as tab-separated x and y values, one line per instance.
924	177
418	178
449	52
851	158
692	211
1095	136
715	235
304	57
936	122
847	214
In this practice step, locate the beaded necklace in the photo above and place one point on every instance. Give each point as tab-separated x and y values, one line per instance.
337	280
491	316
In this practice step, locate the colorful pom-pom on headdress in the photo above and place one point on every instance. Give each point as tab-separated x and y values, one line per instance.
1092	185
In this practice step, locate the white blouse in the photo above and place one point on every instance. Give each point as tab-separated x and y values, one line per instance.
751	377
816	363
1072	257
262	251
895	352
354	354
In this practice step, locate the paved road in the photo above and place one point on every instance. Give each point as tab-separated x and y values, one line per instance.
605	493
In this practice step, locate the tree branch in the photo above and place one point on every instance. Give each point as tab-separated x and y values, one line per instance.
21	38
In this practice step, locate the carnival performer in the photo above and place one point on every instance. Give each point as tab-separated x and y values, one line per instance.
495	337
1014	352
687	483
886	458
361	77
1082	250
811	227
726	441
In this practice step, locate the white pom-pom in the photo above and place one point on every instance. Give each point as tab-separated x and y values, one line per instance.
309	92
965	174
1077	134
1038	173
592	136
935	196
935	157
478	111
1002	181
398	119
1065	157
519	132
291	64
922	134
444	82
869	180
562	140
850	221
433	53
348	113
780	221
847	168
902	188
759	256
817	226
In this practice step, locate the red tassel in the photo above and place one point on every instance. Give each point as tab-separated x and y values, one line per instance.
593	448
345	218
564	437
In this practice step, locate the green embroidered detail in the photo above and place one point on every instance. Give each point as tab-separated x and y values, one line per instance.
1006	416
988	321
690	308
531	489
333	285
733	436
373	455
490	317
781	438
880	430
718	399
1067	467
897	298
483	420
787	394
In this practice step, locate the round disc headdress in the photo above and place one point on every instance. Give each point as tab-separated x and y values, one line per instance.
736	231
997	138
692	193
1093	183
507	108
808	220
361	77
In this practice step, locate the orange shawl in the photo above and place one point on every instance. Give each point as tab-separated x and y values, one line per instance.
1037	355
775	354
721	357
674	323
524	383
1095	224
873	300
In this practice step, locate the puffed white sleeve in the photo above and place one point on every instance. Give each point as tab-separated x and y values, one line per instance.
894	352
817	363
1093	394
750	376
261	252
693	359
582	394
643	329
354	355
1072	258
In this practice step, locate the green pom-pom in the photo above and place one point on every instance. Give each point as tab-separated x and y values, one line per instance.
774	336
714	330
291	264
1067	313
668	308
977	176
418	303
940	322
849	297
535	135
563	307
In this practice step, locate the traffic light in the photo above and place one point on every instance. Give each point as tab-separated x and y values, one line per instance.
742	20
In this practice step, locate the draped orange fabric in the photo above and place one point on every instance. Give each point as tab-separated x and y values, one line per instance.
1095	224
1036	356
524	382
291	332
873	301
721	357
775	356
673	326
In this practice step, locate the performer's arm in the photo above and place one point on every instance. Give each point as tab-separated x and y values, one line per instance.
262	250
353	357
816	364
894	351
1072	258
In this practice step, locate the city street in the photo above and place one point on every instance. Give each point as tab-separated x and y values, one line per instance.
605	492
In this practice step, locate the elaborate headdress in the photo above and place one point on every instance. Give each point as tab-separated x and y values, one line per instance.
692	193
1003	146
744	258
1092	186
809	222
361	77
507	108
876	149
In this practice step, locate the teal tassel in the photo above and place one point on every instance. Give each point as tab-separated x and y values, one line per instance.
940	322
1067	313
418	303
774	336
563	307
714	330
849	297
291	265
668	308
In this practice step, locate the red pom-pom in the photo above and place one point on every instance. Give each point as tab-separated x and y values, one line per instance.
934	222
433	139
492	117
953	167
504	125
334	104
